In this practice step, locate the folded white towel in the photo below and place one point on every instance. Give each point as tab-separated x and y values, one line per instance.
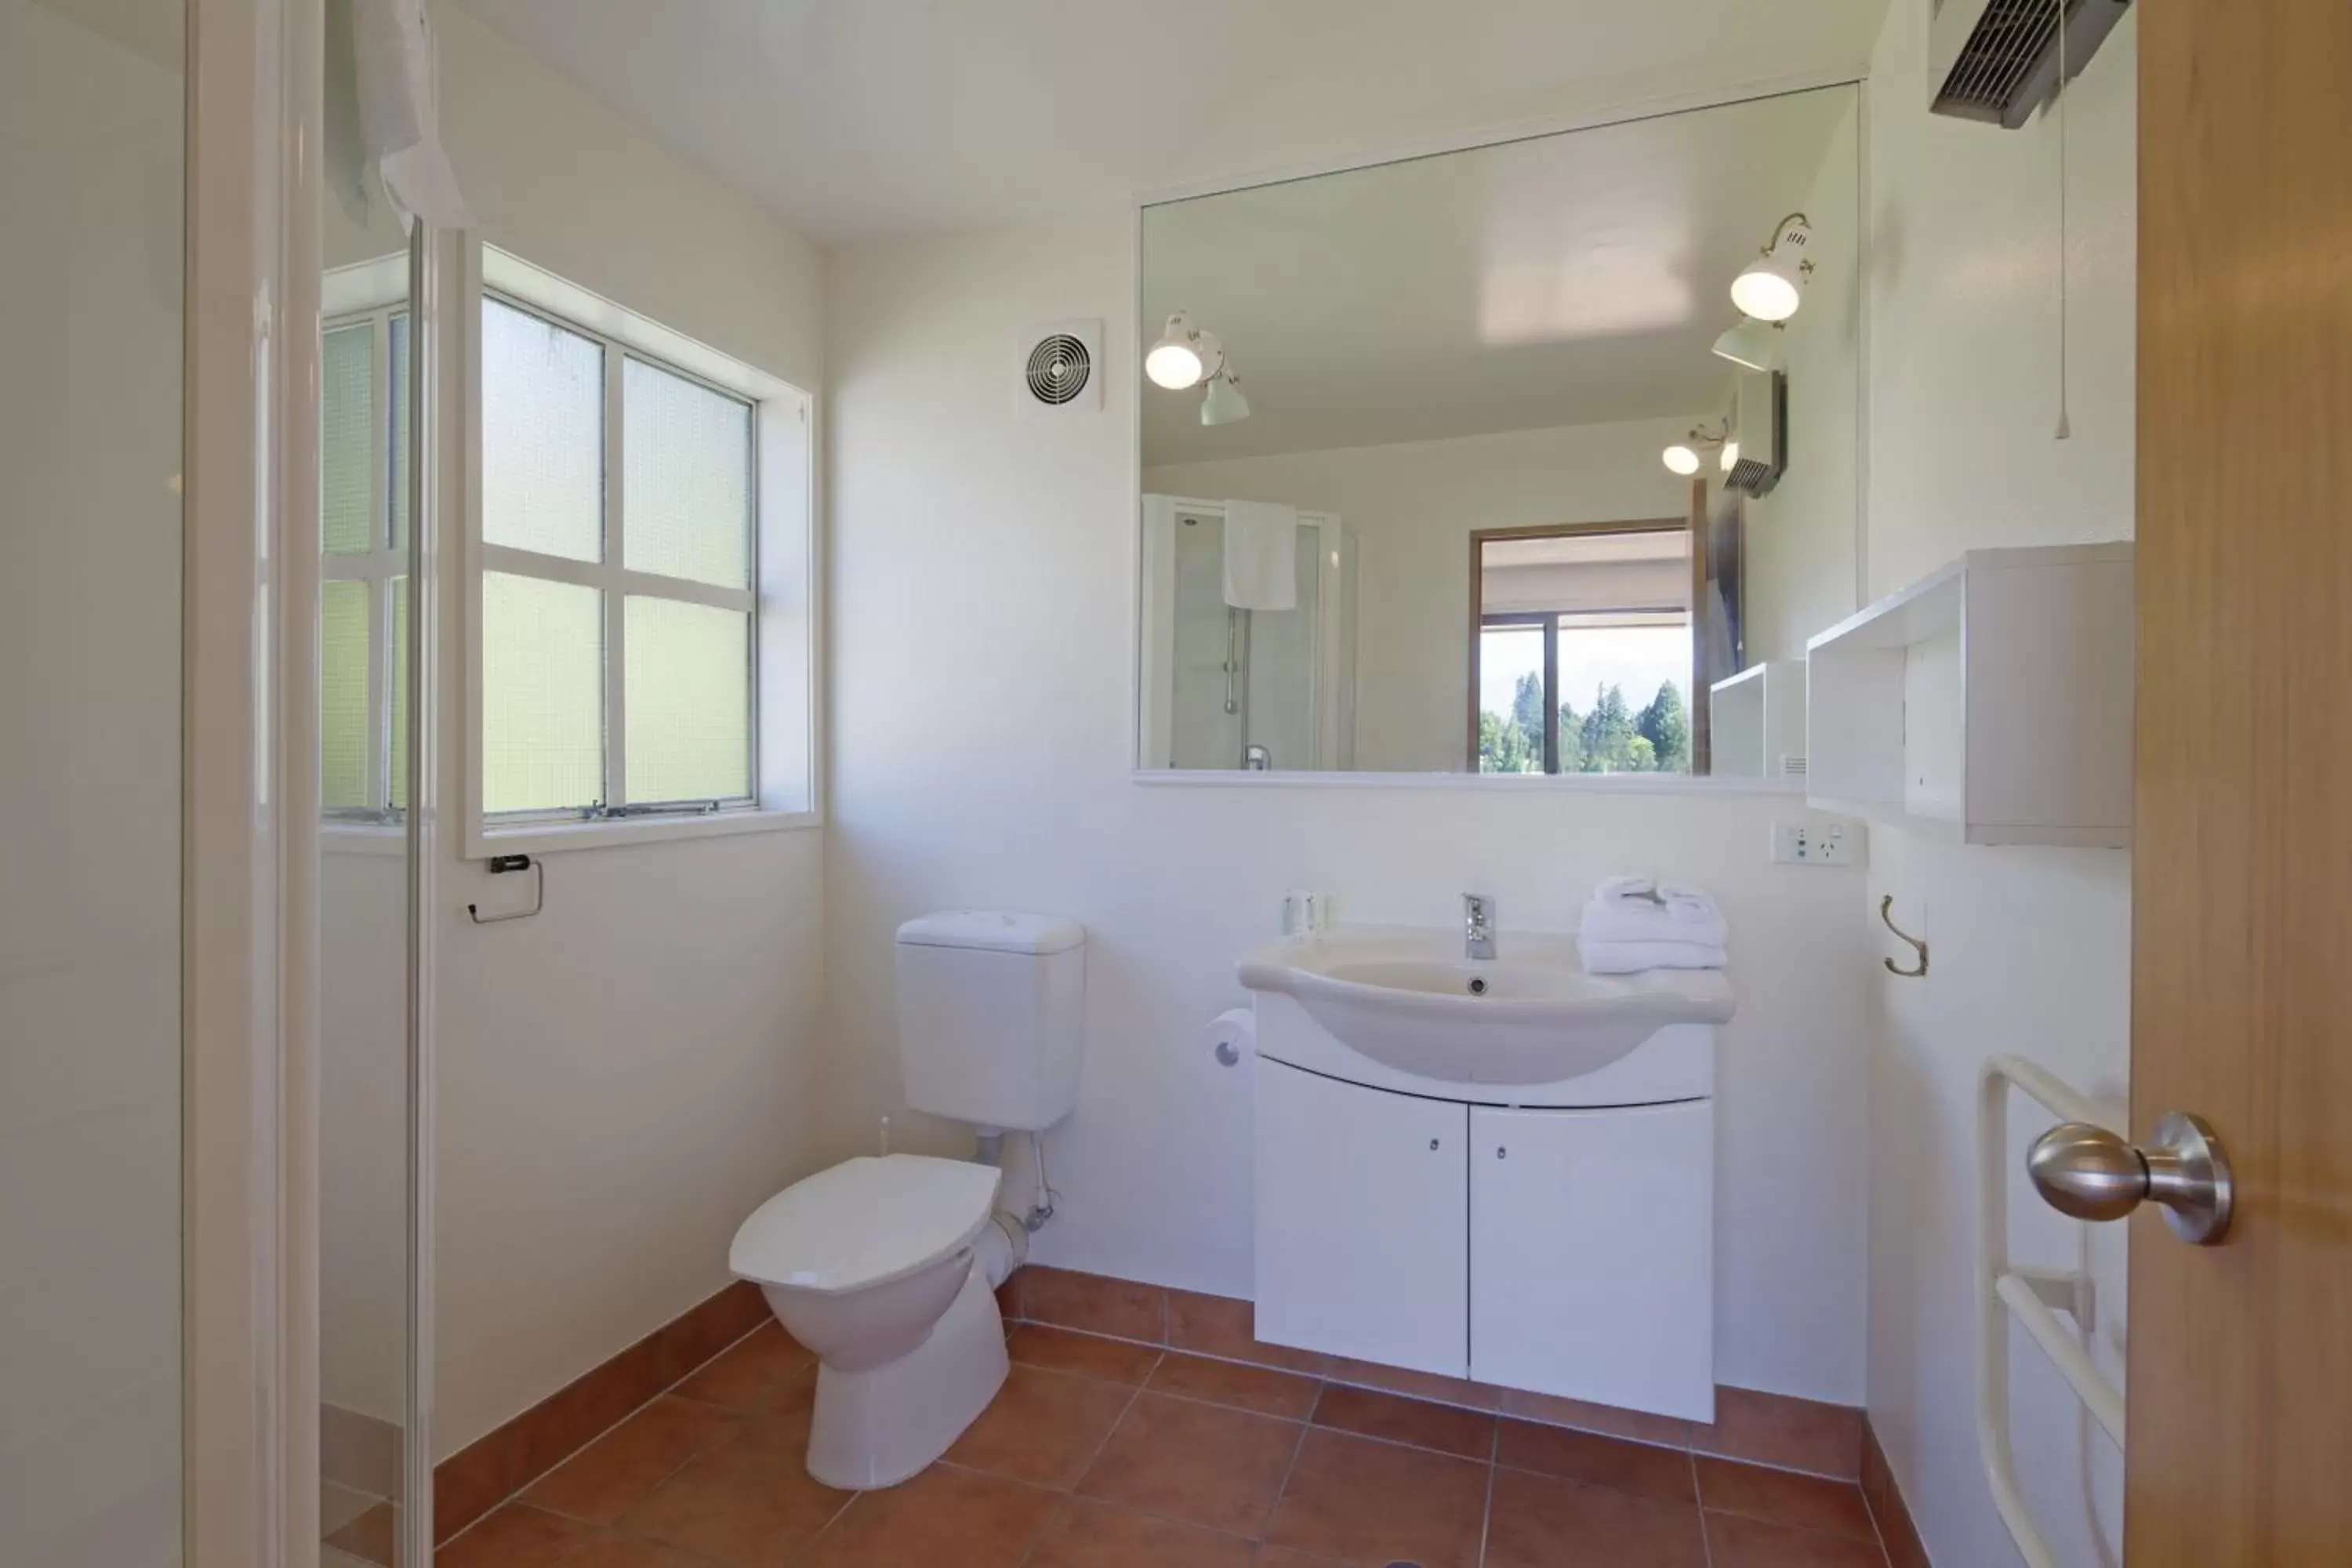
1632	957
1635	908
1261	555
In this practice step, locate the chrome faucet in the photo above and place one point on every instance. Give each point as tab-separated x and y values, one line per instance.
1477	926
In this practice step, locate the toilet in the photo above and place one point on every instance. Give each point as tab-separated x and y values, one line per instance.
886	1265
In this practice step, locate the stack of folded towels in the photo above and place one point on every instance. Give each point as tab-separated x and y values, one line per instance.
1634	923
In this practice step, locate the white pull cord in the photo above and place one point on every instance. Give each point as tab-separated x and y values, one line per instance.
2065	425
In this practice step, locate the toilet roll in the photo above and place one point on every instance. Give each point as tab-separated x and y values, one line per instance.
1231	1036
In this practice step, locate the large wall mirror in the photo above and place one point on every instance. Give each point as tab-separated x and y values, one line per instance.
1538	457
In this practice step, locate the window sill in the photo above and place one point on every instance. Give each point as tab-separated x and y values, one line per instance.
554	838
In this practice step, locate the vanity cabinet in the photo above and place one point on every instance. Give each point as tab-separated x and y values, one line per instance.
1560	1251
1592	1254
1361	1246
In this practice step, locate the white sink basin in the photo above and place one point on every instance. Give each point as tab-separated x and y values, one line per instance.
1408	999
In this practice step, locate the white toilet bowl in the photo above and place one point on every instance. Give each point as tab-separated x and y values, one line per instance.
871	1265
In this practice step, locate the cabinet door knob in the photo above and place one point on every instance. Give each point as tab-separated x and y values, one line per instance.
1501	1152
1433	1142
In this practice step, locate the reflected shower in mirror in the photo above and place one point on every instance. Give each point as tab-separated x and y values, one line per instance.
1472	463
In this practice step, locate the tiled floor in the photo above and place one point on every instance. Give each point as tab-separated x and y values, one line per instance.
1101	1454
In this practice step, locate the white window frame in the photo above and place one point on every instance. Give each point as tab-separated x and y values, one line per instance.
784	719
370	292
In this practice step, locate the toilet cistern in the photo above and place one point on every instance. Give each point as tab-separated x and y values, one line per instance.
1477	926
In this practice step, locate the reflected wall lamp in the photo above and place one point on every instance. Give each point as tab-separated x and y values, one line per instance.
1772	286
1752	344
1683	459
1184	357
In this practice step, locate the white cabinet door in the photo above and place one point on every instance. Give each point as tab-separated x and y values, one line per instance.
1362	1221
1592	1254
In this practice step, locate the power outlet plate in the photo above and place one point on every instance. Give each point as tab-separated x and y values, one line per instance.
1832	841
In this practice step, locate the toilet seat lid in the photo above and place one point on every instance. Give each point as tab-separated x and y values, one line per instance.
865	1222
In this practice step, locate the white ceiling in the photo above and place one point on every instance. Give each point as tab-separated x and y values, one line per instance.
1571	280
856	118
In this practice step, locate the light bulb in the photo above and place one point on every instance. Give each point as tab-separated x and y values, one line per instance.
1730	455
1179	359
1682	460
1768	290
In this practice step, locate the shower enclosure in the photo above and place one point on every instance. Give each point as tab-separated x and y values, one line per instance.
176	1355
1225	688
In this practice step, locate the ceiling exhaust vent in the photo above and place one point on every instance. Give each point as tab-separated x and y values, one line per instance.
1996	60
1060	368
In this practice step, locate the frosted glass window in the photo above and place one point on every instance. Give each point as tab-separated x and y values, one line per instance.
398	338
542	436
689	697
542	694
686	478
347	438
399	694
343	627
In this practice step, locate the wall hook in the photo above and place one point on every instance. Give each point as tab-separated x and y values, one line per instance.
1884	905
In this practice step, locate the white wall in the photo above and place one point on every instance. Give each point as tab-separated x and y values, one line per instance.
2031	947
90	180
1801	560
1412	507
983	623
627	1076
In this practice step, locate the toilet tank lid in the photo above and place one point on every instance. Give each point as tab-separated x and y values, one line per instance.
993	930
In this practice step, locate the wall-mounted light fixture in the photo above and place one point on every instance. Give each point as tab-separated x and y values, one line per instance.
1681	458
1184	357
1752	344
1772	286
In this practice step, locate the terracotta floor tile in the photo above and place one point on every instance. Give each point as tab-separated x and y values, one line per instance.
1540	1521
1258	1388
605	1549
1668	1431
1088	1355
599	1483
1096	1535
1776	1429
1284	1557
1735	1542
1413	1385
1199	1463
1468	1432
1588	1457
750	1375
1805	1502
945	1516
1222	1326
516	1536
1043	1428
372	1537
1094	1302
752	1505
1361	1501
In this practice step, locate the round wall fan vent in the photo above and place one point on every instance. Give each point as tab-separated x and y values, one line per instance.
1059	368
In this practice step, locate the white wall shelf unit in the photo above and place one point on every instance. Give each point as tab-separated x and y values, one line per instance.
1756	721
1987	704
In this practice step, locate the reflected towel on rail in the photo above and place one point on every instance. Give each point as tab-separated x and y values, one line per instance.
1261	555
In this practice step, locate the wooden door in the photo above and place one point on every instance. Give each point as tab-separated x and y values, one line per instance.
2239	1446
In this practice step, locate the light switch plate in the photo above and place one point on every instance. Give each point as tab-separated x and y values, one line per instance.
1825	841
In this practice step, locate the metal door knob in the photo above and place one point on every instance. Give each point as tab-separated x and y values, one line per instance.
2092	1173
